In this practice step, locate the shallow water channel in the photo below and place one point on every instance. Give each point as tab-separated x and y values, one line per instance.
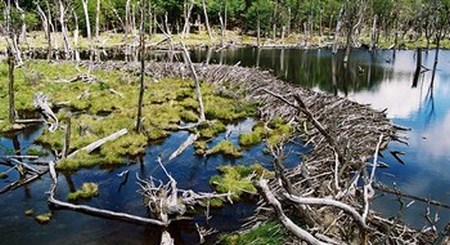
385	81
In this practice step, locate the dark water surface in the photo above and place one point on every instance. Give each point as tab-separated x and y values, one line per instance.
385	81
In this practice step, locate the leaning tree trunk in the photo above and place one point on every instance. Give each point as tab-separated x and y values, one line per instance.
11	63
205	13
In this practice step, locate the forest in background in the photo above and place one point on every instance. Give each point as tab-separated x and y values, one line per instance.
425	20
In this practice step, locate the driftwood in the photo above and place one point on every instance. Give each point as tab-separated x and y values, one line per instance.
41	101
166	200
189	141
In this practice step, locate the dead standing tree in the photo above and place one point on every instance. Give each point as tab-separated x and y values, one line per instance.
142	59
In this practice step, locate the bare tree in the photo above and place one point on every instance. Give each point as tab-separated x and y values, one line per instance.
62	12
88	29
47	30
205	13
11	63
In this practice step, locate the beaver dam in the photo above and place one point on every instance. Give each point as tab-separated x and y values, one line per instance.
325	198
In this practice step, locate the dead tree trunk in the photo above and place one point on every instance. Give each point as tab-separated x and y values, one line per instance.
97	31
62	21
11	63
418	67
50	29
23	32
337	31
75	37
205	13
187	17
373	34
198	92
88	30
142	58
258	28
46	26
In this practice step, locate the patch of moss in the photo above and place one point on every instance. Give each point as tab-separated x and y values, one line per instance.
269	233
253	138
188	116
88	190
36	152
209	130
226	148
81	160
200	147
238	179
3	175
157	134
44	218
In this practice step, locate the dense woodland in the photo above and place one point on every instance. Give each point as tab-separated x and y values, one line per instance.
413	19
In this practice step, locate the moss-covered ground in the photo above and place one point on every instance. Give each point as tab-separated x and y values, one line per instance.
96	112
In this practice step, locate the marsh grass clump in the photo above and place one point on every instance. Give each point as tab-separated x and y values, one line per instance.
269	233
274	132
211	129
3	175
238	179
81	160
44	218
200	147
226	148
88	190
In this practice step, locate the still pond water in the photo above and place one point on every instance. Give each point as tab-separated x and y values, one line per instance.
383	80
